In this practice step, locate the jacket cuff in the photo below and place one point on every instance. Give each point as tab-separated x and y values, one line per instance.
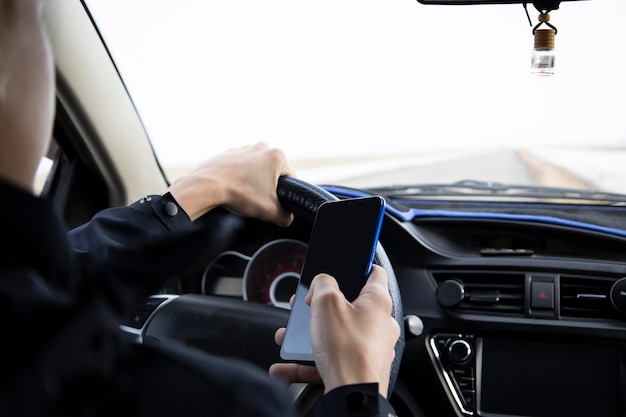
167	211
359	400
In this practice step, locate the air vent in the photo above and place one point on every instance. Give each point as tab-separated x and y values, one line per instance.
487	291
587	297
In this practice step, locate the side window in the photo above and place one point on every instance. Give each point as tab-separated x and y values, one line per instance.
68	177
45	167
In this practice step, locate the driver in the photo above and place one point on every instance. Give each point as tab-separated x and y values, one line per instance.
61	300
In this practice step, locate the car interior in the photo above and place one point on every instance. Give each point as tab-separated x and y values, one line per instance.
511	297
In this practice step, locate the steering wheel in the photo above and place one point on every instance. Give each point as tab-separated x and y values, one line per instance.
228	327
303	199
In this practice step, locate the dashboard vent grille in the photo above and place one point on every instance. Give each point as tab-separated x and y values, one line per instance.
587	297
488	291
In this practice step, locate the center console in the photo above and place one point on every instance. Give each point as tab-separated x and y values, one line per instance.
494	376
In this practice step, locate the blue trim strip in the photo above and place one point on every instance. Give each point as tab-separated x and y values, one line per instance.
416	213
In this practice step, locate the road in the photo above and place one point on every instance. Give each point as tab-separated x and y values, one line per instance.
505	165
601	169
501	166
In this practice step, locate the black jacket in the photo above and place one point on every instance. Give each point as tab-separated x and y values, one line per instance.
61	299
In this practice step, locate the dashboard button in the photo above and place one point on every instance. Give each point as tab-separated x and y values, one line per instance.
469	400
460	351
542	295
466	384
450	293
618	295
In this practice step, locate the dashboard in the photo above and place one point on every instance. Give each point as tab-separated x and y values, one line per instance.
523	314
269	275
518	315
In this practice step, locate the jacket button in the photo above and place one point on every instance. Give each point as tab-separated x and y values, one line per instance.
171	209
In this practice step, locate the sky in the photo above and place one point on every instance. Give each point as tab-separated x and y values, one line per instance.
363	77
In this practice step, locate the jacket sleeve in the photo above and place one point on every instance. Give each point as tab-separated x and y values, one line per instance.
362	400
131	252
149	218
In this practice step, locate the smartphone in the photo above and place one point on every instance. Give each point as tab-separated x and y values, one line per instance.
342	244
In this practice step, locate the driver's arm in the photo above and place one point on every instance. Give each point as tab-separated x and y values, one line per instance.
138	246
241	180
131	252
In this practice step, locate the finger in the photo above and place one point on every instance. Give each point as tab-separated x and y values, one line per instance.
271	210
276	212
376	281
294	372
279	336
291	300
287	169
321	283
285	218
376	289
378	276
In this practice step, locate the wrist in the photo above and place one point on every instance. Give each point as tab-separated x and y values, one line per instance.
340	380
195	198
382	382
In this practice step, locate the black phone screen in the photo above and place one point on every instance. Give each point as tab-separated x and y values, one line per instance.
342	244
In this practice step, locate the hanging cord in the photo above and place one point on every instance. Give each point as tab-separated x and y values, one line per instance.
544	18
527	15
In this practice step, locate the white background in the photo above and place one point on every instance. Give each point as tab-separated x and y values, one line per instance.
392	76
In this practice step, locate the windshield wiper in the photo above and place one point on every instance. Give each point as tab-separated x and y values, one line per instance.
468	188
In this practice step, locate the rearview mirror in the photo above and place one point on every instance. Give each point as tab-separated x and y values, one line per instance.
541	4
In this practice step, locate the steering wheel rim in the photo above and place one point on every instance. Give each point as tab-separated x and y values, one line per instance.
303	199
186	317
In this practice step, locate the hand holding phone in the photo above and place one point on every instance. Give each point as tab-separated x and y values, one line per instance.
342	244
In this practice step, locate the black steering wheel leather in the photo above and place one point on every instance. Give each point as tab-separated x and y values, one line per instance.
303	199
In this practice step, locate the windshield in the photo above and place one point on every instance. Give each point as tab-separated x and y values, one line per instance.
371	93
